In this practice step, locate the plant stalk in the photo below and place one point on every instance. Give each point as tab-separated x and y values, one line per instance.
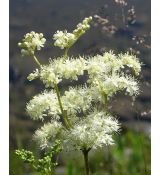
105	102
66	52
64	114
85	155
36	60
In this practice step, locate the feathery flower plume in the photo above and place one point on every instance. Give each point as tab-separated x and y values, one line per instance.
32	41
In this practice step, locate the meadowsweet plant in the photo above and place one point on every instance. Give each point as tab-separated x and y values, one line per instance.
79	117
44	165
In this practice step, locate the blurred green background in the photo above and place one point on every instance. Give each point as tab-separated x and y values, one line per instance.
131	153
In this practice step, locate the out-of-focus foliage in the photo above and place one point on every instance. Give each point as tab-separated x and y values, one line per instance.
44	165
129	156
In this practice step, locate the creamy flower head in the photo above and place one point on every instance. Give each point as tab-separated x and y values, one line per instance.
74	101
32	41
42	104
47	134
82	27
105	73
93	131
58	69
131	61
77	100
109	63
112	84
96	130
33	75
63	39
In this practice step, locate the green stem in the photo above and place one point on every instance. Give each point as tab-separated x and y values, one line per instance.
64	114
36	60
85	155
66	52
105	102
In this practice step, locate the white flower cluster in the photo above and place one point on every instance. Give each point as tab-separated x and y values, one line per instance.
108	63
57	69
33	75
131	61
94	131
105	77
32	41
77	100
112	84
63	39
97	67
101	65
82	27
47	134
41	105
74	101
